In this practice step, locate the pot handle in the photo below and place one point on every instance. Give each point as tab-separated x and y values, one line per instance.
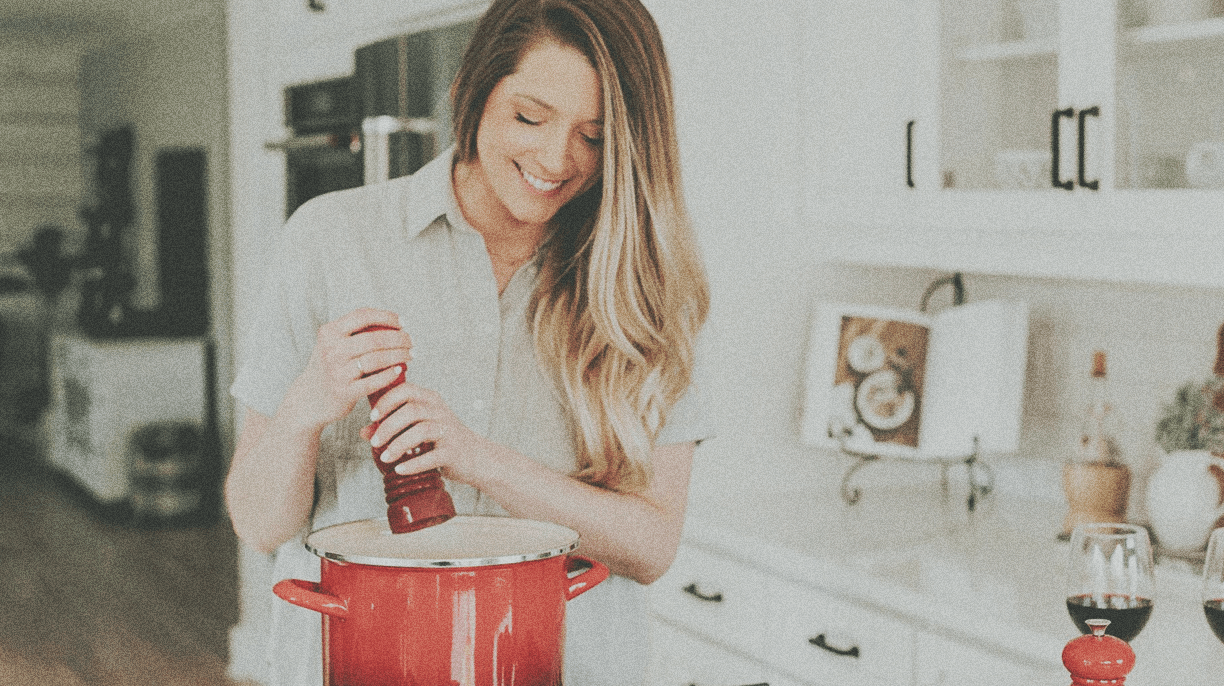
307	594
589	574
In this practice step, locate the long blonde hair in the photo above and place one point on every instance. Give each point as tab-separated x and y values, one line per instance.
622	292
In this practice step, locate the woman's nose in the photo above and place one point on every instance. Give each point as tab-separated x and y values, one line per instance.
554	151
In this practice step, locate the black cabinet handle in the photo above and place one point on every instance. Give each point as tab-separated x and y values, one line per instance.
820	642
1084	114
691	589
909	153
1058	182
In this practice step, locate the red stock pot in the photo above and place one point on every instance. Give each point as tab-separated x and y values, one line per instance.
474	601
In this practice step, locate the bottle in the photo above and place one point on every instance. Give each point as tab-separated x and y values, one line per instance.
1095	479
1097	435
415	501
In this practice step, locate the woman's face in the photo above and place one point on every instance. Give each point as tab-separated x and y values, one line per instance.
540	139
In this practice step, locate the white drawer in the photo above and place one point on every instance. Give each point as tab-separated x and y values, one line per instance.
681	659
818	638
715	597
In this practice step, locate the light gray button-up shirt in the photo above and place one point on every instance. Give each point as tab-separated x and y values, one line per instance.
404	246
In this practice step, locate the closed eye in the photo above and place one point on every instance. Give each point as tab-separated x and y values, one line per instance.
519	117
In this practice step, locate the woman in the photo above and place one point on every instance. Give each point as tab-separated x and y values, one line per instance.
549	293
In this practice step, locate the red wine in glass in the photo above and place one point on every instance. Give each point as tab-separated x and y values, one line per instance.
1127	615
1214	609
1110	575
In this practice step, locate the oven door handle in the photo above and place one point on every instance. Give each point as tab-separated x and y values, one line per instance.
376	146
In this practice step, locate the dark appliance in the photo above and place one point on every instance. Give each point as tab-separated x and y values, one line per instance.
324	153
386	120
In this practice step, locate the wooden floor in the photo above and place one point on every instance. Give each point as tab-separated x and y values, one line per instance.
89	600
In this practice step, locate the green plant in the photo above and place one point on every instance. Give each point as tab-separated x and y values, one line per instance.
1193	421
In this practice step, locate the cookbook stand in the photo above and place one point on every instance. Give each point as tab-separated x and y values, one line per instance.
981	476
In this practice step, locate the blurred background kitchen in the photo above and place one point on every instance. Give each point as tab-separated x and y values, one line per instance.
1066	154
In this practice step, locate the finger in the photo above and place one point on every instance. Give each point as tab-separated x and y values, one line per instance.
426	460
400	444
419	439
380	339
398	397
422	454
378	360
364	317
392	426
379	380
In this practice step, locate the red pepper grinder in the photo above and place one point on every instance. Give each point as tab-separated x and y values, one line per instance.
414	501
1097	658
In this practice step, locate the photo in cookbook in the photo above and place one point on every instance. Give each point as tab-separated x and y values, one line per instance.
881	365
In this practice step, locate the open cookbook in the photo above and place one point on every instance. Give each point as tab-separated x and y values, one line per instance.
902	383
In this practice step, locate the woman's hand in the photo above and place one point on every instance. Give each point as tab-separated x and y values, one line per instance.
339	372
415	421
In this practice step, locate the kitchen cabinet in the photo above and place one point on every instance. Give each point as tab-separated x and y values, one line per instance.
718	620
1115	100
868	80
102	391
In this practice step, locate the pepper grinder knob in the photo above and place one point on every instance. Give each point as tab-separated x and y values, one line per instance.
415	501
1098	658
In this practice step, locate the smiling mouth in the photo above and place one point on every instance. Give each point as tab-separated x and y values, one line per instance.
538	183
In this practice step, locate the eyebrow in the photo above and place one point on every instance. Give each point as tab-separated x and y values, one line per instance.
549	107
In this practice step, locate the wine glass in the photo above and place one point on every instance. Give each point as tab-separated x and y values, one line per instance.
1213	583
1110	576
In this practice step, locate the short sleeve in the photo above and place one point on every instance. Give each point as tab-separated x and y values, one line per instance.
689	420
287	314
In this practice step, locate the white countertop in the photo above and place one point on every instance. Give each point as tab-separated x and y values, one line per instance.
994	577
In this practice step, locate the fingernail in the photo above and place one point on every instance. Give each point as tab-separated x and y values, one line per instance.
373	415
401	469
384	457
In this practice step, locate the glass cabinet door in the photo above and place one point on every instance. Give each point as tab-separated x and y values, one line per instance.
999	85
1170	92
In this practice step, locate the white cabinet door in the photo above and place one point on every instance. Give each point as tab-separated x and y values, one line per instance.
825	640
716	597
944	662
869	94
681	659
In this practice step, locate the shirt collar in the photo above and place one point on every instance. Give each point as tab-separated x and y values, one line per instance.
429	194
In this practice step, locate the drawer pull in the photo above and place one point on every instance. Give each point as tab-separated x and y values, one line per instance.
820	642
691	589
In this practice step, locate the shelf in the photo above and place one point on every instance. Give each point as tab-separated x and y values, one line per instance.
1150	236
1012	50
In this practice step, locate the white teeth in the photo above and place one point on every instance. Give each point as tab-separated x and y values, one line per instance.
540	184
